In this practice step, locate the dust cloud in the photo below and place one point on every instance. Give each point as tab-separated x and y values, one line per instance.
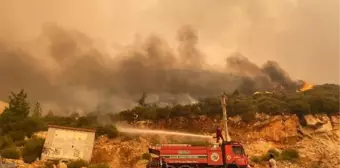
86	55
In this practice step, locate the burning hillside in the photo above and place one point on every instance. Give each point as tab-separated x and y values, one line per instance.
306	86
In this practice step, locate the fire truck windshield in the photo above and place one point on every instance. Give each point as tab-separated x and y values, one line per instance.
238	150
154	162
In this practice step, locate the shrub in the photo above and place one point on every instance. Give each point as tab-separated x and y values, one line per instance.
17	135
109	130
32	149
256	159
6	142
10	153
248	116
20	143
274	151
32	125
265	157
100	165
146	156
289	154
77	164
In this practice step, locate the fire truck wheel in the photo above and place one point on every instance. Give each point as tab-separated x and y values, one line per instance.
185	166
232	166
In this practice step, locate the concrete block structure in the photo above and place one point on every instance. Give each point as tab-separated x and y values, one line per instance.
67	143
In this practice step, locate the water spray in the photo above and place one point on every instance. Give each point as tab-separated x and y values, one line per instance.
158	132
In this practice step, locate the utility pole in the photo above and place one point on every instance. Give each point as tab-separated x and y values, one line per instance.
225	118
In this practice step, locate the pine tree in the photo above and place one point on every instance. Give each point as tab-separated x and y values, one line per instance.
50	113
37	110
17	111
141	101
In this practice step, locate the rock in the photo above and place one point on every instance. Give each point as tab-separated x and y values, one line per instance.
321	123
311	120
335	120
258	147
321	148
279	128
325	127
262	116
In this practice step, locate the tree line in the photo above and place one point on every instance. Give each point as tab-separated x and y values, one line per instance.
322	99
19	123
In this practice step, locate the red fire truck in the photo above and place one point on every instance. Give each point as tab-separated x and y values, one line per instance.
228	155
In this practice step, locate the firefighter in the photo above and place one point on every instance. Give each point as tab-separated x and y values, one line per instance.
135	118
272	161
219	135
163	163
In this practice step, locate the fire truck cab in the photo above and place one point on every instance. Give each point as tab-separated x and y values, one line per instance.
154	162
227	155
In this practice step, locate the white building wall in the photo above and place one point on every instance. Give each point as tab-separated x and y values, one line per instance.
68	144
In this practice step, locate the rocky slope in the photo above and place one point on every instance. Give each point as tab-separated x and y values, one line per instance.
317	142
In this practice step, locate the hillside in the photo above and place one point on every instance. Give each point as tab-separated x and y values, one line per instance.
317	143
320	99
302	126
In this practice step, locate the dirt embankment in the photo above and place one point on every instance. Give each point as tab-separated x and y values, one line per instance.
317	142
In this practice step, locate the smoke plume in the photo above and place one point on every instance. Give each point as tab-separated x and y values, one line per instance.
83	55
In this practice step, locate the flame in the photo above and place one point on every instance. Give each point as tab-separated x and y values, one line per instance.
306	86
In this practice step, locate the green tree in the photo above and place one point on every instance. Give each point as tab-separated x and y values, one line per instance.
37	110
15	114
50	113
238	106
10	153
32	149
141	101
109	130
329	105
269	105
15	121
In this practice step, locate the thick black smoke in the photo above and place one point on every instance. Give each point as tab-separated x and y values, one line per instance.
254	78
84	78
